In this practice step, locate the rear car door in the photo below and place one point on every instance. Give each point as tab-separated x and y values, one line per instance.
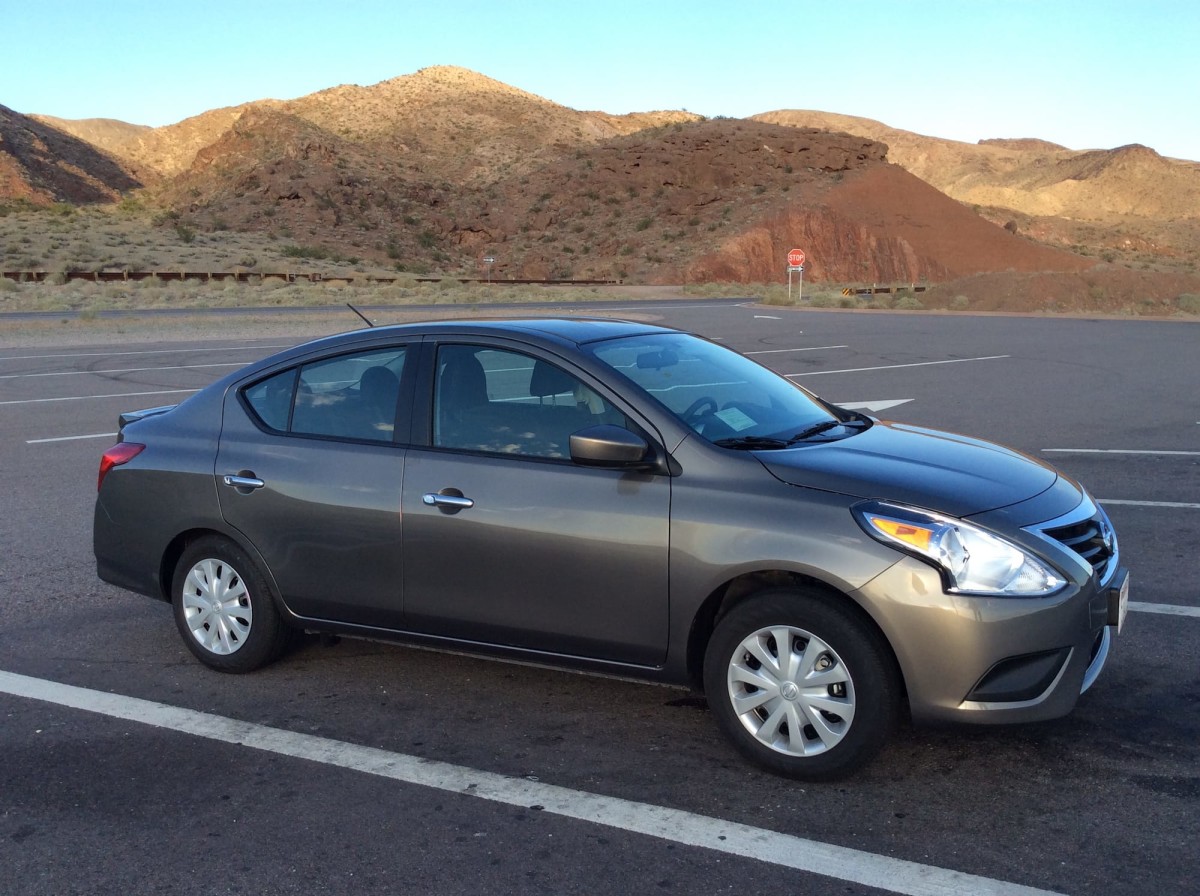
506	540
309	469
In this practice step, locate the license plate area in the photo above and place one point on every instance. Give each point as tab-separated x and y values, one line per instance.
1118	601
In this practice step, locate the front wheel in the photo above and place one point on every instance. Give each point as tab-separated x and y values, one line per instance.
801	685
223	607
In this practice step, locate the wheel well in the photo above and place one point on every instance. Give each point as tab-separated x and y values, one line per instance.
734	592
170	558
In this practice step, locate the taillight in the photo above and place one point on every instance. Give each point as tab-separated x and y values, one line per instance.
120	453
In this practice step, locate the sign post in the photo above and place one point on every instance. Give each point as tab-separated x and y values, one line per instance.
488	261
795	262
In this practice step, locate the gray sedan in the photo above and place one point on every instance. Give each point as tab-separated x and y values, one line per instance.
623	498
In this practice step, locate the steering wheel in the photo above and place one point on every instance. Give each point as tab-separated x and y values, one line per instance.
701	407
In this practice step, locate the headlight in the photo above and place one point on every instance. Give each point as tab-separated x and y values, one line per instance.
972	561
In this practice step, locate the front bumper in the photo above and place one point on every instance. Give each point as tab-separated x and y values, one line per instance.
992	660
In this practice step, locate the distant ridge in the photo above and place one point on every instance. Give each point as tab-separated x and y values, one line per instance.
428	171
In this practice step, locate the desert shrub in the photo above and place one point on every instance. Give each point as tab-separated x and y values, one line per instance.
7	285
908	303
185	233
777	295
1189	303
960	303
294	251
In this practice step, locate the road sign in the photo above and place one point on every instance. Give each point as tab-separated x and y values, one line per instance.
795	258
489	259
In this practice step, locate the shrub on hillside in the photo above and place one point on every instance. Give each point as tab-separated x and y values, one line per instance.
1189	303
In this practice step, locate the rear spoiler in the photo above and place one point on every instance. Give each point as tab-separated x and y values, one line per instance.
134	416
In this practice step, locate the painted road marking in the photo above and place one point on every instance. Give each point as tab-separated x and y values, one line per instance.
18	376
688	828
873	406
1177	504
94	397
791	376
1117	451
1164	609
98	435
155	351
777	351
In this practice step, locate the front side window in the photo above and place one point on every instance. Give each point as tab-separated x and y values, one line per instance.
505	402
352	396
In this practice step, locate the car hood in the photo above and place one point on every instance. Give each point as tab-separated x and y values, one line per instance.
939	471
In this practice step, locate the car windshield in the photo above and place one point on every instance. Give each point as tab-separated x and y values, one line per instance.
720	394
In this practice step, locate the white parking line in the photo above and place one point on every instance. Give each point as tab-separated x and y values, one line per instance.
1164	609
688	828
94	397
792	376
154	351
98	435
1117	451
1178	504
779	351
19	376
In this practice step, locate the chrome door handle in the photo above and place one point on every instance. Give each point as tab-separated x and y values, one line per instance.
247	482
448	502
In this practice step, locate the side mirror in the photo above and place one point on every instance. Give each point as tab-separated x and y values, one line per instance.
607	445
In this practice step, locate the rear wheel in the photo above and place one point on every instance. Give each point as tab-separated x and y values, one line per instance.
224	609
801	685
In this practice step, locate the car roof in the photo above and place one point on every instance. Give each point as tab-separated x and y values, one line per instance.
570	330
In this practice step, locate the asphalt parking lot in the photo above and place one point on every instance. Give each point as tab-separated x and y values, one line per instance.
369	768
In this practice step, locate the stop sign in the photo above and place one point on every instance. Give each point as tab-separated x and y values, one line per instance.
796	258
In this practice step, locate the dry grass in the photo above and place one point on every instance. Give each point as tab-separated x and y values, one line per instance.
128	237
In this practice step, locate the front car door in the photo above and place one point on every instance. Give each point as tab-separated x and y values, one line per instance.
506	540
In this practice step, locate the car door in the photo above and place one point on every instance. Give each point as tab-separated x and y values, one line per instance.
506	540
310	468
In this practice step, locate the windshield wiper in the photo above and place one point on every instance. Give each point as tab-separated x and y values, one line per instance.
815	429
751	443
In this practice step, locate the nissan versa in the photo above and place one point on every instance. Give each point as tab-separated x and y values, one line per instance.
624	498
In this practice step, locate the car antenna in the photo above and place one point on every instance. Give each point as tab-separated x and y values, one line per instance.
360	314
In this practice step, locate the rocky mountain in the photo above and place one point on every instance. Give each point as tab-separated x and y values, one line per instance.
42	164
430	171
1130	199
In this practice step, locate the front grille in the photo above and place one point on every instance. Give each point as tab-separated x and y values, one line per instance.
1092	539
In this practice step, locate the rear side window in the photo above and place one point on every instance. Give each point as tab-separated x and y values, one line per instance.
352	396
271	400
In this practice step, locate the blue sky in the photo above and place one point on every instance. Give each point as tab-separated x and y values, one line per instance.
1084	73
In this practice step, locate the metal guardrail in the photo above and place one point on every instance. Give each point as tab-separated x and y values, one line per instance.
254	277
876	290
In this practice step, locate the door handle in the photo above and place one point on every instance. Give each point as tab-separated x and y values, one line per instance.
239	481
448	503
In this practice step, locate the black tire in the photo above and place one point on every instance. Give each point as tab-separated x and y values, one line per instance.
224	609
838	676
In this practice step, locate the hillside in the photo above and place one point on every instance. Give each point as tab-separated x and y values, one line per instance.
429	172
41	164
1129	202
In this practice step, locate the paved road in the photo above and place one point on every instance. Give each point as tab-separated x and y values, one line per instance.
328	799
